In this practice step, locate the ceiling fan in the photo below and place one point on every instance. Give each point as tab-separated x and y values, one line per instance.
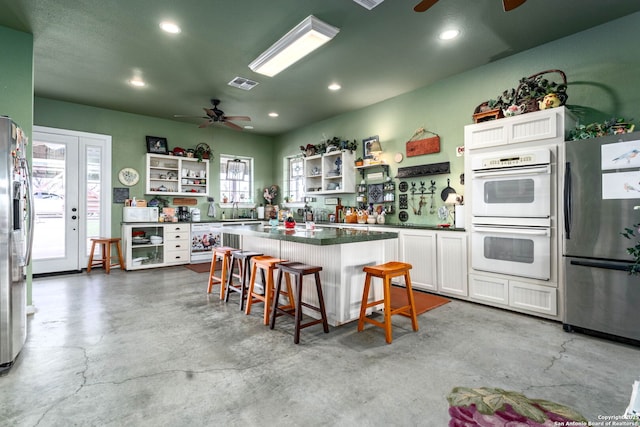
506	4
216	115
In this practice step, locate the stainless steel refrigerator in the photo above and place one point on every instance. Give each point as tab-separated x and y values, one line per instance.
16	221
601	189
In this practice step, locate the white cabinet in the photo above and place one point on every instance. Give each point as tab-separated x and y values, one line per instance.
330	173
141	253
177	243
174	175
451	256
418	248
439	260
548	126
514	294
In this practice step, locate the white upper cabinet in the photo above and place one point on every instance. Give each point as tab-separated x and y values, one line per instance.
174	175
545	125
330	173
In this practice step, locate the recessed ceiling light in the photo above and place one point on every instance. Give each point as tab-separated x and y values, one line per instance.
449	34
170	27
335	86
273	114
137	82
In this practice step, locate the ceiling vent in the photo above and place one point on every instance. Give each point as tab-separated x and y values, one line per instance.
242	83
368	4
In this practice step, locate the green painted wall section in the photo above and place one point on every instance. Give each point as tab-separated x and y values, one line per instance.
603	73
16	89
128	132
16	77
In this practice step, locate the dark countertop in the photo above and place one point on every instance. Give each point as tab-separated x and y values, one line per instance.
229	222
319	236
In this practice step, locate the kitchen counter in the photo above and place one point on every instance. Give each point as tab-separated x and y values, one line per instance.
342	252
318	236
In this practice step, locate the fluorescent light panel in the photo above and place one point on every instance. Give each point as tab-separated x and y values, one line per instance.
303	39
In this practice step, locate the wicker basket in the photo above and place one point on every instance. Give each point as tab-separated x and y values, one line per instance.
531	104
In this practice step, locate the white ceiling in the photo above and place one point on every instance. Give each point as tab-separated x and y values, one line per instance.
85	51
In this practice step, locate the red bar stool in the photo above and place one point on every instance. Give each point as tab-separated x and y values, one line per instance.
105	262
224	254
267	266
386	272
299	270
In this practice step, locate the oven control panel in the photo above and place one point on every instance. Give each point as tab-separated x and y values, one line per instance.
512	159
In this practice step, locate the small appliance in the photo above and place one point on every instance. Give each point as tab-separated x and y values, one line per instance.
183	214
135	214
195	214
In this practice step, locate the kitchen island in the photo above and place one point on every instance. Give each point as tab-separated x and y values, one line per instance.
341	252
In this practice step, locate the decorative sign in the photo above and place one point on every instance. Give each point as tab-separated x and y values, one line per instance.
120	194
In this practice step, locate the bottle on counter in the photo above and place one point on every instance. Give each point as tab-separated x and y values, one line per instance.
223	215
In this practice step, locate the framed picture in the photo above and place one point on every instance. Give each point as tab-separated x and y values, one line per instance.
369	145
157	145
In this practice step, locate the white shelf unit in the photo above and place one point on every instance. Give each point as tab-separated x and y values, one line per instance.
173	250
177	176
330	173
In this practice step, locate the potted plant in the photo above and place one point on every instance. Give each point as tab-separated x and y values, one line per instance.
633	233
359	161
533	89
202	151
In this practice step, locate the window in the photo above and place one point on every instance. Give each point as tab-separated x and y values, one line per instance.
236	179
294	184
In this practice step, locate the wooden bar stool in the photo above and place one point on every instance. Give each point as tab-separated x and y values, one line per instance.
299	270
242	258
106	262
267	265
224	254
386	272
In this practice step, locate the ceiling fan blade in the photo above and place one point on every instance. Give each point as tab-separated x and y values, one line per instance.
232	125
206	124
424	5
512	4
210	112
238	118
183	116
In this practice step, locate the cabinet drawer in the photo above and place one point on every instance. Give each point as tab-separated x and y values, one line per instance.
172	256
177	228
532	297
490	289
177	245
176	236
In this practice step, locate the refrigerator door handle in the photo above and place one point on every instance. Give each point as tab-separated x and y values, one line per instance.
29	190
567	201
601	264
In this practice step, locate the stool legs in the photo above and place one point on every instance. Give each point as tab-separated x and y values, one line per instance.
408	310
105	249
299	304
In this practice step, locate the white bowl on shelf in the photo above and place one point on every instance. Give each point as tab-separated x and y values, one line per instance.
156	240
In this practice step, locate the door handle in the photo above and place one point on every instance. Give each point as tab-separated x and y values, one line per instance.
74	217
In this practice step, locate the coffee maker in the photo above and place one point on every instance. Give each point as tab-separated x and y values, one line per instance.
183	214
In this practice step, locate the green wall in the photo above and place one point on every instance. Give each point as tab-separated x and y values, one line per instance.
16	77
128	132
602	68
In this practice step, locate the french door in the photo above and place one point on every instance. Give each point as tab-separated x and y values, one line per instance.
71	177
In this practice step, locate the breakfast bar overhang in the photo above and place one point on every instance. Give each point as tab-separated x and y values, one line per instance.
341	252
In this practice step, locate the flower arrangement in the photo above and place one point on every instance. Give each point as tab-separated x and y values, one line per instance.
632	233
327	146
270	193
613	126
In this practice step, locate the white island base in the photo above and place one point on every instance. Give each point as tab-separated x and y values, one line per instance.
342	276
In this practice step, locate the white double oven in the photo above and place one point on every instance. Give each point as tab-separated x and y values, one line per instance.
512	207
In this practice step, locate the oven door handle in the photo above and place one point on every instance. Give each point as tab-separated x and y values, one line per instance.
523	231
536	170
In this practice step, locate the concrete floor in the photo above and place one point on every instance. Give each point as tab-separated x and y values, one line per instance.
150	348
